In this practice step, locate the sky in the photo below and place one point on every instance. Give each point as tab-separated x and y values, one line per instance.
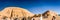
34	6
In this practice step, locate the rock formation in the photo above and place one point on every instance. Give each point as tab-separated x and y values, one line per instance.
49	14
15	12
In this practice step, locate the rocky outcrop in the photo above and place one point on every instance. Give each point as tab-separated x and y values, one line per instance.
49	15
15	12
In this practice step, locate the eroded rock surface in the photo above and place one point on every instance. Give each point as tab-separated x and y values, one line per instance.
14	12
49	15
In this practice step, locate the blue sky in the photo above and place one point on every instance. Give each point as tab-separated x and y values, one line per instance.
34	6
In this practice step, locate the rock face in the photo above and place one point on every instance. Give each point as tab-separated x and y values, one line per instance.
14	13
36	17
49	15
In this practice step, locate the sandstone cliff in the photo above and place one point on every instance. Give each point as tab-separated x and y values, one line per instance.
49	15
15	12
